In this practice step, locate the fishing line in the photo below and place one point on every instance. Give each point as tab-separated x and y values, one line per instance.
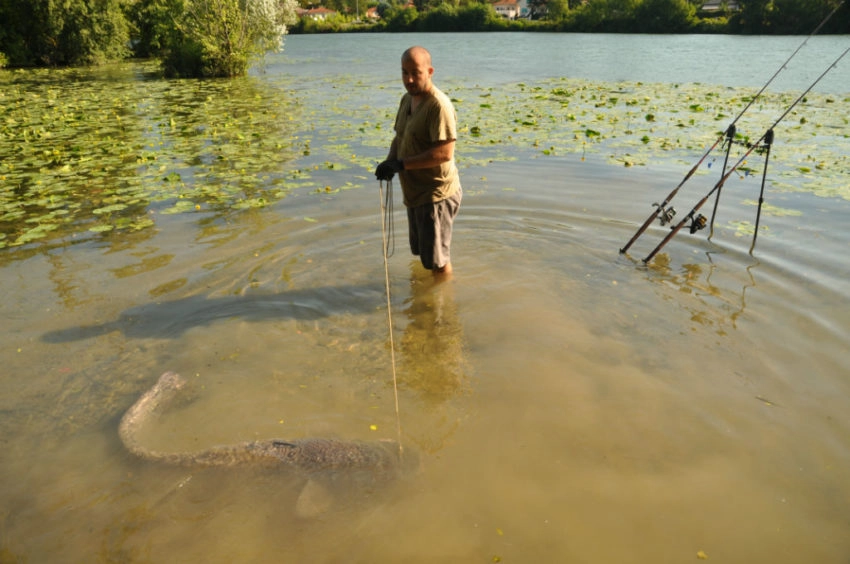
387	217
388	245
731	131
788	60
765	140
667	213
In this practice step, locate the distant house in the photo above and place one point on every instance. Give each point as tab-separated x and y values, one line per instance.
372	13
507	8
320	13
511	9
717	5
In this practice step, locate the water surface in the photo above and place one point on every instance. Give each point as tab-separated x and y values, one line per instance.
569	403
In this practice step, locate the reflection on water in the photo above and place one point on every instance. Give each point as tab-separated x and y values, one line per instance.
432	360
432	344
717	304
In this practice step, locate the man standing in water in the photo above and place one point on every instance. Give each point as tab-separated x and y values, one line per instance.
422	153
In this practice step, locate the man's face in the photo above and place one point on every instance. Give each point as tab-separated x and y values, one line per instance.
416	75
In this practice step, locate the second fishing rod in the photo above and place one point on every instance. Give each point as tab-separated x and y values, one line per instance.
727	136
764	142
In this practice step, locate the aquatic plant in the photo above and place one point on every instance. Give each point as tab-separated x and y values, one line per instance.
88	153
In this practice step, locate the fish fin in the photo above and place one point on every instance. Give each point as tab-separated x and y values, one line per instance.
314	500
278	442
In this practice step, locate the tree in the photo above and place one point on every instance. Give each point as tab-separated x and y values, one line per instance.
399	18
792	16
754	17
840	22
665	16
50	32
477	17
213	38
608	16
536	9
557	10
441	18
153	22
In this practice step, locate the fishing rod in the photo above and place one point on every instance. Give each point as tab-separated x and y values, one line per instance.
699	221
667	213
815	32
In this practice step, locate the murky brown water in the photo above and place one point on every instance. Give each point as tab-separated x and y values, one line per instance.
568	403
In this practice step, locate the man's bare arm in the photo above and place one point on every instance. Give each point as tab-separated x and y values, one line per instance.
393	150
435	156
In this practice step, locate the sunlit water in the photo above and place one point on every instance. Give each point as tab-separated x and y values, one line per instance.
569	404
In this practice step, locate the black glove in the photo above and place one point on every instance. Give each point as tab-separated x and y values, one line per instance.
387	169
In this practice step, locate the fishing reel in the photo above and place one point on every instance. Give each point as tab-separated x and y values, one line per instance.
665	214
697	223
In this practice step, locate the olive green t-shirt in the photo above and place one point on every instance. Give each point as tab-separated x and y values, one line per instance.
432	122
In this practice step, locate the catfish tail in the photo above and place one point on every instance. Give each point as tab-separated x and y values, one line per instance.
159	396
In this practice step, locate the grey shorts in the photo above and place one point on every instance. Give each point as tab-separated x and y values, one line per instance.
430	228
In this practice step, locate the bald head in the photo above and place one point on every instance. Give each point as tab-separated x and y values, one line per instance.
416	71
417	54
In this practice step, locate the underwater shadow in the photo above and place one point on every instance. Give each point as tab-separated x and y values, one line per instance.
165	320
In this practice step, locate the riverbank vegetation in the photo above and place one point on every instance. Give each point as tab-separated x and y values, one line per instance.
199	38
224	37
768	17
90	153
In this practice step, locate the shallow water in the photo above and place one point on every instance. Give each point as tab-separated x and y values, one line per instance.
568	402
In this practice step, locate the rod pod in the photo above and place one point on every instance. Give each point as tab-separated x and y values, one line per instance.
662	208
768	143
730	136
762	139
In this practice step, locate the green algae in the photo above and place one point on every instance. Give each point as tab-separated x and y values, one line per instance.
86	155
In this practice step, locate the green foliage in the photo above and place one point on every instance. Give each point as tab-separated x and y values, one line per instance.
680	16
196	37
217	38
466	16
633	16
755	15
557	10
665	16
51	32
442	18
478	17
153	22
789	17
223	37
400	19
617	16
332	24
717	24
